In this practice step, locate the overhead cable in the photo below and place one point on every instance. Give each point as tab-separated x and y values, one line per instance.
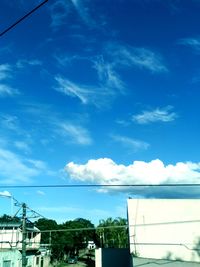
23	18
99	185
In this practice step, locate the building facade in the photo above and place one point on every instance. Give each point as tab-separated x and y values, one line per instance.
165	229
11	246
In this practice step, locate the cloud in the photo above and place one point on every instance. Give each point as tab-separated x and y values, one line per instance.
156	115
105	171
59	12
5	70
9	122
131	143
69	88
5	73
66	131
6	90
22	63
77	133
193	43
14	168
94	95
107	74
83	12
22	146
136	56
5	194
40	193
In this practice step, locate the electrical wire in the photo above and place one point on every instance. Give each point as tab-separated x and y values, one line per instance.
22	18
98	185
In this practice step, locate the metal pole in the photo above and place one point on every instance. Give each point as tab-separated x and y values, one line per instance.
24	235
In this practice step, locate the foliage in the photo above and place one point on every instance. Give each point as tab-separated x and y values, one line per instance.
8	219
65	242
113	236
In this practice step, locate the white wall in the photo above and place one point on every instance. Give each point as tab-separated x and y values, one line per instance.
164	228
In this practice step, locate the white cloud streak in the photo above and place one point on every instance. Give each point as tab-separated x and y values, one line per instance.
107	75
76	133
69	88
131	143
94	95
156	115
6	90
136	56
193	43
5	70
83	13
14	168
22	63
59	12
106	171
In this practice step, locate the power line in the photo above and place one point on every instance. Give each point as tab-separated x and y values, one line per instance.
98	185
23	18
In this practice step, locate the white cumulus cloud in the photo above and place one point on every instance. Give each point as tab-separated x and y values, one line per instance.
5	194
105	171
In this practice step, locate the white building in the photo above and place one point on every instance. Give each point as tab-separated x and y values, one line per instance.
165	229
11	246
11	236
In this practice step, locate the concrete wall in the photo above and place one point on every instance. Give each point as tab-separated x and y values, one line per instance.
108	257
13	258
165	228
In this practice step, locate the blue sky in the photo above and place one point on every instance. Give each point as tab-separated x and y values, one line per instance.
99	92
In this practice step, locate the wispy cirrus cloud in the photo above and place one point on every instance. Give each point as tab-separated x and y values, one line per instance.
23	146
95	95
68	131
83	12
107	74
136	56
78	134
5	74
5	71
16	169
157	115
6	90
130	143
59	12
74	90
193	43
24	62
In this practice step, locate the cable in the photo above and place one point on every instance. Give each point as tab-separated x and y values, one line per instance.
166	244
98	185
22	18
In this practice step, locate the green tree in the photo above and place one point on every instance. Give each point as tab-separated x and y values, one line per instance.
80	238
113	233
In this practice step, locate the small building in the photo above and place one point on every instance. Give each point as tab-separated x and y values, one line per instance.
11	246
91	245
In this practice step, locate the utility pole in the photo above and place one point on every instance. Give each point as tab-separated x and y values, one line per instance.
24	235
